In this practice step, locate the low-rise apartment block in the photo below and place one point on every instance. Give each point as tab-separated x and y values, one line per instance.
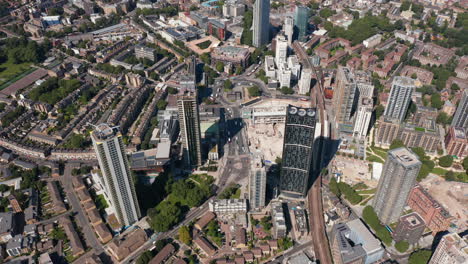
434	215
456	142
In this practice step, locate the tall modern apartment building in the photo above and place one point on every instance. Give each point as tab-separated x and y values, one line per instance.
281	51
301	22
289	28
400	98
346	96
305	81
363	118
257	182
298	151
461	115
119	185
261	22
189	122
452	249
398	177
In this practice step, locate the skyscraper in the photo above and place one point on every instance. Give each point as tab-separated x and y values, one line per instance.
398	177
289	28
189	122
461	115
305	81
261	22
257	182
363	118
346	95
301	22
400	97
298	147
119	185
281	53
452	249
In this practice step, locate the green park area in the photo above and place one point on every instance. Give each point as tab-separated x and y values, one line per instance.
10	72
204	45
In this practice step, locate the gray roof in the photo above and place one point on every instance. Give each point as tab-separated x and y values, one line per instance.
369	242
31	228
15	242
6	222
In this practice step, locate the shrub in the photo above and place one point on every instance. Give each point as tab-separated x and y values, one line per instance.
446	161
402	246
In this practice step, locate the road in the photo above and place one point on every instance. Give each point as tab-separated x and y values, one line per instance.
80	216
236	167
315	203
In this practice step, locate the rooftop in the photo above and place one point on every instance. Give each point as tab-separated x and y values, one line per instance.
405	156
369	242
403	81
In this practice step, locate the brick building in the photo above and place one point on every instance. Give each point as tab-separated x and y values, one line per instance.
456	142
436	217
410	228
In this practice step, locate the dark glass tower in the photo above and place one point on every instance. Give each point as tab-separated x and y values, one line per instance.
298	149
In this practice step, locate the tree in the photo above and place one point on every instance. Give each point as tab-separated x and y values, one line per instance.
4	188
396	144
205	57
160	244
326	12
161	104
316	20
446	161
371	218
402	246
145	258
436	102
58	234
227	84
423	172
442	118
184	235
333	185
254	91
379	110
219	66
465	164
164	216
286	90
420	257
420	152
450	176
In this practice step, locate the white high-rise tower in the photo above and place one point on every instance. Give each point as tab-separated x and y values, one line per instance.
281	53
119	185
289	28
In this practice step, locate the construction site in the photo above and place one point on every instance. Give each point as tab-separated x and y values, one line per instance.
265	125
451	195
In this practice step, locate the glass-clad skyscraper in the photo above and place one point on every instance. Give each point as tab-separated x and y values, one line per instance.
298	147
301	22
261	23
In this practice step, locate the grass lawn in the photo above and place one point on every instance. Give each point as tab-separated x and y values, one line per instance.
439	171
462	176
204	44
371	191
373	158
364	202
237	194
9	70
